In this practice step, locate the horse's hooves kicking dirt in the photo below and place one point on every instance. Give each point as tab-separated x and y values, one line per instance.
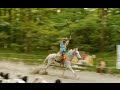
66	77
77	78
43	73
35	72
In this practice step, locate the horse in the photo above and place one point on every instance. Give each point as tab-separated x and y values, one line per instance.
67	62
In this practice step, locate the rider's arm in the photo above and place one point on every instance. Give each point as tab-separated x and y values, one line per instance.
70	38
66	44
61	43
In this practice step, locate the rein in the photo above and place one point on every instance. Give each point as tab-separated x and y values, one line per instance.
72	54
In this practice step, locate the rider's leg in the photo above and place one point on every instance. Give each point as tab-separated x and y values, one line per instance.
58	57
63	55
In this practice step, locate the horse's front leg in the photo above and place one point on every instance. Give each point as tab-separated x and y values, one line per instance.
68	65
64	71
73	72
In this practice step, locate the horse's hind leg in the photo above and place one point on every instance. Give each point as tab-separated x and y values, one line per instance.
49	63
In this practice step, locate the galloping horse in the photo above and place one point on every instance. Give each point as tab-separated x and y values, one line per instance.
67	62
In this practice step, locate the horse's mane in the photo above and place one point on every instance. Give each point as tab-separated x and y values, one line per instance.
70	51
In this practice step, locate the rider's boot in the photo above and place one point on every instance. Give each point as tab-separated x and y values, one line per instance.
63	57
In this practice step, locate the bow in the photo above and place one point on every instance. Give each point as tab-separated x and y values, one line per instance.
69	30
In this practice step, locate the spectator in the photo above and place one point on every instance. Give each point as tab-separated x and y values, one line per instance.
0	81
83	60
101	65
58	81
84	55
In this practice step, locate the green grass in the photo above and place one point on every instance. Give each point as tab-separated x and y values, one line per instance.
31	58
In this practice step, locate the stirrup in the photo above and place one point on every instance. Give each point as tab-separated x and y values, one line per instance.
58	61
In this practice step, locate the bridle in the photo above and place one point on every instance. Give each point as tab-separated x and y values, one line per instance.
74	52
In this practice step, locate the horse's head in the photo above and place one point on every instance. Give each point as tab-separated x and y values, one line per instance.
76	52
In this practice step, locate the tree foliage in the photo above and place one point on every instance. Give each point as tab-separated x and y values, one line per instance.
31	29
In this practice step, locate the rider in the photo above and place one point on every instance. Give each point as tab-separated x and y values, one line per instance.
63	46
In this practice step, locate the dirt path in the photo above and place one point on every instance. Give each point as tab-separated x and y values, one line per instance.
84	76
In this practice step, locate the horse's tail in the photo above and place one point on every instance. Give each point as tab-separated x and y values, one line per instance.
45	59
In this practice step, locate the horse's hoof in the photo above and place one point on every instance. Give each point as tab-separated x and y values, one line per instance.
43	72
62	76
77	78
35	72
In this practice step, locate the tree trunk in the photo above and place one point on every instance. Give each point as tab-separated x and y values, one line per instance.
29	14
0	12
5	11
103	19
10	14
28	43
23	15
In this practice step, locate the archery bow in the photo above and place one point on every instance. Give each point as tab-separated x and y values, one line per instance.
69	29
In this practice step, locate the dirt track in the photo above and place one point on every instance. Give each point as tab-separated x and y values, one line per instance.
53	74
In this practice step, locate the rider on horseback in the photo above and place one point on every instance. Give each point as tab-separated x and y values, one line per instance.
63	46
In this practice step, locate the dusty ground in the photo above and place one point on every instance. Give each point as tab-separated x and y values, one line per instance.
53	74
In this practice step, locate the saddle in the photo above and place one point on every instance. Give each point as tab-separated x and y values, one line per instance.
62	59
